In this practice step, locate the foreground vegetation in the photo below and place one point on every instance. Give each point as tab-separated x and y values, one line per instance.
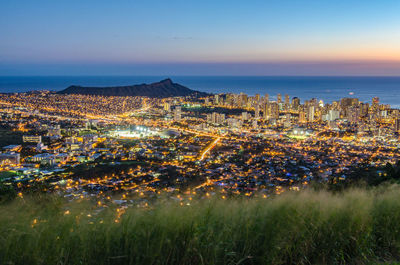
351	227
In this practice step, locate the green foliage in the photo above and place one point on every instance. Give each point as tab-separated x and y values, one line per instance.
364	176
352	227
7	192
7	137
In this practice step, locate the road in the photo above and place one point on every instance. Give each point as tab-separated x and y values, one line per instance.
209	148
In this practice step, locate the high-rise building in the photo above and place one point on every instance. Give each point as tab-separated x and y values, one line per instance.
287	102
397	125
353	114
375	105
364	109
333	115
266	98
395	113
295	103
209	118
243	100
279	98
177	113
214	117
216	99
335	105
302	116
348	102
266	111
167	106
221	118
274	110
311	113
257	111
244	116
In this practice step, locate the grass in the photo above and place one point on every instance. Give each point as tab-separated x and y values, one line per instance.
353	227
7	174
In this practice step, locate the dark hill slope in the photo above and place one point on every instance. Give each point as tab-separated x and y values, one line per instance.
162	89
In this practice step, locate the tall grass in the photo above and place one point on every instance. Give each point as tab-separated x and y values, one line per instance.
354	227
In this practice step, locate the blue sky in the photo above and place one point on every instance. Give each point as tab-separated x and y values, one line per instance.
200	37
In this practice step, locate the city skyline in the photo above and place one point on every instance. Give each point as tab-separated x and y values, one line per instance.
200	38
199	132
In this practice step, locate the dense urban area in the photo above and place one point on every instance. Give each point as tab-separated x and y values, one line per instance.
131	150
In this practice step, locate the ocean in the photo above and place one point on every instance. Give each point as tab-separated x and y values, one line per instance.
305	87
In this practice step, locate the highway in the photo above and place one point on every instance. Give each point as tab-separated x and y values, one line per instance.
209	148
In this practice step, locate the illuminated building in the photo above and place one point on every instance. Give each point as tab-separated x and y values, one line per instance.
177	113
167	106
279	98
295	103
287	102
397	125
311	114
274	110
10	158
32	138
245	116
257	111
266	98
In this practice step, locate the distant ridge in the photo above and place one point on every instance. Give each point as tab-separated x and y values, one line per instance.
162	89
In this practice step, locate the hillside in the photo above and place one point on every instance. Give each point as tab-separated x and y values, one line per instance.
162	89
353	227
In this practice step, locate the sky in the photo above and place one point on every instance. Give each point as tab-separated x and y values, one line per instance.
187	37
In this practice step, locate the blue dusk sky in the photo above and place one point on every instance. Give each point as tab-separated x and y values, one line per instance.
219	37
